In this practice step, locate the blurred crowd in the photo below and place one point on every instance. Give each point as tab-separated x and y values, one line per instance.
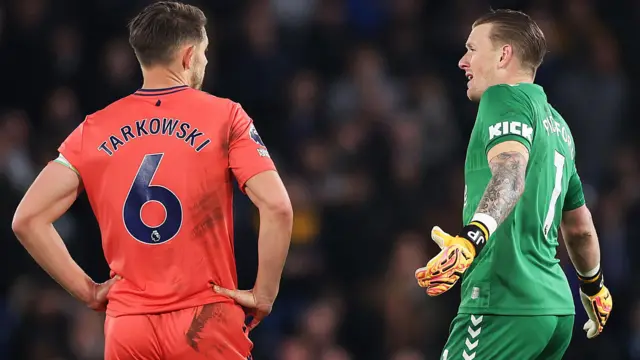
364	111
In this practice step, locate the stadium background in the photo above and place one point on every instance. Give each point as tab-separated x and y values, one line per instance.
363	108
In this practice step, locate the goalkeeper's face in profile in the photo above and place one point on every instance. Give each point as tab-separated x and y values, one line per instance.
504	47
481	62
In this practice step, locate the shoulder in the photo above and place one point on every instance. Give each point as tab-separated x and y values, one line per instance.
213	101
506	113
224	110
506	99
111	109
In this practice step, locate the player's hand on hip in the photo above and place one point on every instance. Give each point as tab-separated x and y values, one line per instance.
444	270
597	302
257	308
99	300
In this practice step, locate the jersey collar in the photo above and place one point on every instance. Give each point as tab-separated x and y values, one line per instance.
163	91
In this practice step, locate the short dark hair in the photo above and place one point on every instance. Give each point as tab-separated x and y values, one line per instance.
156	32
520	31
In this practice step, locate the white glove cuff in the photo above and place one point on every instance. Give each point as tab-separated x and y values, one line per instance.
487	220
590	273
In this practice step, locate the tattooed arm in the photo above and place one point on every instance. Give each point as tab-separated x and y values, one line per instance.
508	163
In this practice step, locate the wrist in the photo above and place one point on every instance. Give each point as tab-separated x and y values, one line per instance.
588	274
476	234
591	285
264	299
488	223
86	291
264	295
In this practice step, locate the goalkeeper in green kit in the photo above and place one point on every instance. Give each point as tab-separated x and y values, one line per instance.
521	189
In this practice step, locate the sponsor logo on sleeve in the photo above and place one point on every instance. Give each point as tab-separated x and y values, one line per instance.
511	128
253	134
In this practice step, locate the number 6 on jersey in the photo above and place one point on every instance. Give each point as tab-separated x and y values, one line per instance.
141	193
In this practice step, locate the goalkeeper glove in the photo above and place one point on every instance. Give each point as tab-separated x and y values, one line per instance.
456	255
597	302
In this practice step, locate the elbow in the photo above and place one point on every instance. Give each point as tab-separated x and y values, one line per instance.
21	224
577	233
577	225
576	236
285	212
282	211
26	222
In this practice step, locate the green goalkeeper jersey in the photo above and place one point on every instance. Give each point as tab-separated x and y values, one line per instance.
517	272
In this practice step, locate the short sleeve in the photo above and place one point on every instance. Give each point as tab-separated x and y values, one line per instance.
505	115
248	156
575	195
71	150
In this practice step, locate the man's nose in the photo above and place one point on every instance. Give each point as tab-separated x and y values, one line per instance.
463	63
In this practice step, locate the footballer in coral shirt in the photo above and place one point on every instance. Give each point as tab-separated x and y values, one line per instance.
158	169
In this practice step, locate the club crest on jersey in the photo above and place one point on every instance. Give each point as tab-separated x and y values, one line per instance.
253	133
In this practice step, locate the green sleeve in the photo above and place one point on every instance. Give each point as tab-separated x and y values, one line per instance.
575	196
505	115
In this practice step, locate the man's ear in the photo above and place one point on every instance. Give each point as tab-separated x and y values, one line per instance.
187	57
506	54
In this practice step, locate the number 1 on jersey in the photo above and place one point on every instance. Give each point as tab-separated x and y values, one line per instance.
141	193
558	161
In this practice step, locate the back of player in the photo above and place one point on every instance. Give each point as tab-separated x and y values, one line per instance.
516	284
158	169
159	183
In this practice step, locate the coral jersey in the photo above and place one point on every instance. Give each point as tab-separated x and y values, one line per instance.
157	167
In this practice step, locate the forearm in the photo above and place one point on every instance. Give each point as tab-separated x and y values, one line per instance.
273	246
584	250
45	245
505	187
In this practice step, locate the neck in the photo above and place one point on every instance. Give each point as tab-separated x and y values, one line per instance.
516	79
161	78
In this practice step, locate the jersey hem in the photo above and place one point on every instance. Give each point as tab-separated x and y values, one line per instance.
517	312
508	137
243	184
574	206
66	164
122	309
